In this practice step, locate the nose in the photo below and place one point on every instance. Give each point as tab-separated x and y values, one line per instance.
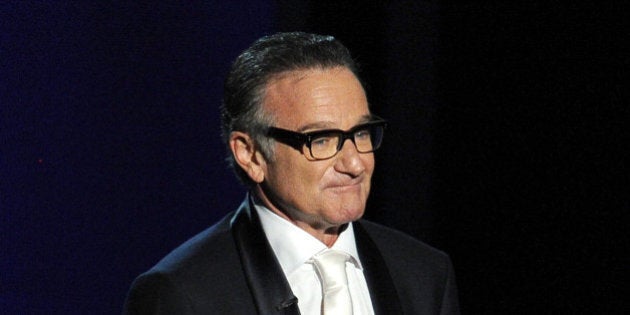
349	160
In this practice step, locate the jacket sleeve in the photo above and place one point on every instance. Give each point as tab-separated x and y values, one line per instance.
155	293
450	301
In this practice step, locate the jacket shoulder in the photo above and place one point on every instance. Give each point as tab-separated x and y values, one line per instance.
197	277
423	275
400	245
212	245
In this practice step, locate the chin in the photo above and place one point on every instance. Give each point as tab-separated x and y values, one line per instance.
352	214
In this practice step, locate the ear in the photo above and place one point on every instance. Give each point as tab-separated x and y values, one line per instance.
246	156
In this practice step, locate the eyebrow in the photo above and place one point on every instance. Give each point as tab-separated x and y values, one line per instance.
329	124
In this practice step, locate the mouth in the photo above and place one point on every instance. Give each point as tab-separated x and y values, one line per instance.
352	184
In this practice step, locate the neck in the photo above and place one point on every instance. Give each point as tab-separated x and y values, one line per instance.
327	234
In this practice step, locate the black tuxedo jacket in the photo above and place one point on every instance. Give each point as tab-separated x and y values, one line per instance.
230	268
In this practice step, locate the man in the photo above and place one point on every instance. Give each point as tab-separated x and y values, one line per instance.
300	136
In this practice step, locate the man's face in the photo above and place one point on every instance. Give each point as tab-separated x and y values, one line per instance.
325	193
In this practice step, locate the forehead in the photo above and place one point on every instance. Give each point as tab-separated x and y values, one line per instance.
316	98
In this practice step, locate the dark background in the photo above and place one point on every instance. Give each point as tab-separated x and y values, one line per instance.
506	147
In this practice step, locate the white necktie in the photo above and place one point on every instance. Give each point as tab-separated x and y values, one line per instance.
330	266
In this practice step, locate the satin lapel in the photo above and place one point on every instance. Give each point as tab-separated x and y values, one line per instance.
382	290
270	289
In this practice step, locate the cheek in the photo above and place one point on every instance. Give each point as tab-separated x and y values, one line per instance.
368	164
368	161
314	176
296	174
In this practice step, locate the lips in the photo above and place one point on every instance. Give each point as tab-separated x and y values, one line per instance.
351	183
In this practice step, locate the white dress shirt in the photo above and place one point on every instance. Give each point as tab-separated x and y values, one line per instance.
294	248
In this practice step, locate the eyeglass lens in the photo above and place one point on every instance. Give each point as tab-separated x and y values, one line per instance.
365	139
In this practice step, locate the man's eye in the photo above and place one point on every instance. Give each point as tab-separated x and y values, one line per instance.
362	134
321	141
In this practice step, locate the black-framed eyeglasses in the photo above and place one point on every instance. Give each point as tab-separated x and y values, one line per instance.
324	144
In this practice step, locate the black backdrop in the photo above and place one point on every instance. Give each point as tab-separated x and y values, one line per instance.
506	146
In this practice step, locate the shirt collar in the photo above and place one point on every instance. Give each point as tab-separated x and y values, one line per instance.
294	246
